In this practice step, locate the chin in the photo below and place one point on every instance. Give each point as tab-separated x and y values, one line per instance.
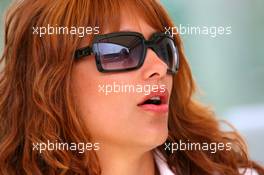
154	137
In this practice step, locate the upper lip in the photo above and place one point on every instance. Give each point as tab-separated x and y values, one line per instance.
164	95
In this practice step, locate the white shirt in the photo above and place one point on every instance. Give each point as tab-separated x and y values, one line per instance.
165	170
162	164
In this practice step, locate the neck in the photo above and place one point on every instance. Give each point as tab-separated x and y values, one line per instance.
120	161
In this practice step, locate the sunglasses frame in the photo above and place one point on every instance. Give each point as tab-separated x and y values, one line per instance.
151	43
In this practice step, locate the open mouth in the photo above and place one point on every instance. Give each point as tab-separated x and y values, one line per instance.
155	101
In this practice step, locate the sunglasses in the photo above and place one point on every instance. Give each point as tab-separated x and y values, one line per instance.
124	51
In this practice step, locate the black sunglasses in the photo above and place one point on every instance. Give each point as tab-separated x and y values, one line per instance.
124	51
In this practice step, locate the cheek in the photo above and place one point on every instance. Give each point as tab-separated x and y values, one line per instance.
103	114
170	84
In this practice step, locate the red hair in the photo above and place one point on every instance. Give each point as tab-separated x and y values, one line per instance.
36	103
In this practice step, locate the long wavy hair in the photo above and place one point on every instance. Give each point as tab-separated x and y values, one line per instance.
36	102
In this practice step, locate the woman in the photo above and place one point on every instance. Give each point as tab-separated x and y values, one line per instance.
58	87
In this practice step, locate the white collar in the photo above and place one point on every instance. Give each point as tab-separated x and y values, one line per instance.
162	164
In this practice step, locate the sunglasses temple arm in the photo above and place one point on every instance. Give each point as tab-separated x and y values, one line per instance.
86	51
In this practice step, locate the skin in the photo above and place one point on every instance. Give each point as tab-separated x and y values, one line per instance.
126	133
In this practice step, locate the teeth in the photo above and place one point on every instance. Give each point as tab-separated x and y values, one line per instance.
155	98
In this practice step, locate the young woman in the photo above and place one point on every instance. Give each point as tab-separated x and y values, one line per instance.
65	108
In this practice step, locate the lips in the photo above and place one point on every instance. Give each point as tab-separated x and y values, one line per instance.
155	102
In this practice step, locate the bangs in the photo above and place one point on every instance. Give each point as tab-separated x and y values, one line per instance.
108	14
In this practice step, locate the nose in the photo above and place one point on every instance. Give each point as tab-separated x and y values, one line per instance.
153	67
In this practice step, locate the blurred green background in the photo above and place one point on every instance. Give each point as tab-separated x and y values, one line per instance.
228	69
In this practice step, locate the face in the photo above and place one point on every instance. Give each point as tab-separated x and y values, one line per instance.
118	118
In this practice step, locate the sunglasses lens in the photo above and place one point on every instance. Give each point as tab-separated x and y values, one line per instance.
119	53
168	52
